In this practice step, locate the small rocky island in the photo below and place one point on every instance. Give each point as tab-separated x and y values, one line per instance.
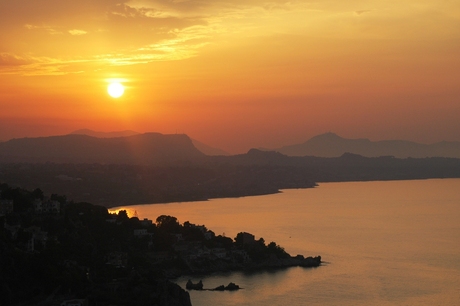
56	252
199	286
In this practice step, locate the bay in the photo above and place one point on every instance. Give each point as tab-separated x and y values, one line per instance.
383	243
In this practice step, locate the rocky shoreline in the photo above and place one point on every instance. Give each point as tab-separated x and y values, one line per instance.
221	265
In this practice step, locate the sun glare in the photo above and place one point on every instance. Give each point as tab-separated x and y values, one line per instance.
115	89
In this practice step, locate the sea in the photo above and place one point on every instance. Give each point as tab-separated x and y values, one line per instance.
381	242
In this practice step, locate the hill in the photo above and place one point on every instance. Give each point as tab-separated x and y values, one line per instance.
208	150
332	145
142	149
204	148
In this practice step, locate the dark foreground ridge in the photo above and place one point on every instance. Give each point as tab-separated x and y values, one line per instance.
54	251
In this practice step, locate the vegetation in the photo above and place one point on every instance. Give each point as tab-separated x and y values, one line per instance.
80	250
254	173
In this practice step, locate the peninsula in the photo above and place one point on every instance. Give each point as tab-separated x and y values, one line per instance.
57	251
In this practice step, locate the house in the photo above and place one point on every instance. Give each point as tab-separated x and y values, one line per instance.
202	228
47	207
146	222
111	219
247	238
37	236
117	259
209	235
6	207
140	232
240	256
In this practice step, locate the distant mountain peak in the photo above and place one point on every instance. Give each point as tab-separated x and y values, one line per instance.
329	136
331	145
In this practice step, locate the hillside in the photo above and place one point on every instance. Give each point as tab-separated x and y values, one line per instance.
332	145
142	149
208	150
204	148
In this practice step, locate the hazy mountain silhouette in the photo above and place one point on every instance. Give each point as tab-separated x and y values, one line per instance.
204	148
104	134
149	148
332	145
208	150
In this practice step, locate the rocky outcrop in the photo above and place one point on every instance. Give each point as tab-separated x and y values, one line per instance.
294	261
191	286
229	287
220	265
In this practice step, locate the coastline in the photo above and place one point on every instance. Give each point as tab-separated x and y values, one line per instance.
316	185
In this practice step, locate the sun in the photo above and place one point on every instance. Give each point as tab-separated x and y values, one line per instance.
115	89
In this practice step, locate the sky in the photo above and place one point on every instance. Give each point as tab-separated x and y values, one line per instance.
234	74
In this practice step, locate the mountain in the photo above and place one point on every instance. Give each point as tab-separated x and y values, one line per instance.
141	149
332	145
207	150
104	134
210	151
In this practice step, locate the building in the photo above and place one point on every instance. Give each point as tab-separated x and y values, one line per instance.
6	207
247	238
117	259
146	222
47	207
140	232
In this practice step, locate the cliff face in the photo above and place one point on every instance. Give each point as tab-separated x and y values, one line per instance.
173	295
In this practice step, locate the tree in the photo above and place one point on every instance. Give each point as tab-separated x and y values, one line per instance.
61	199
168	223
38	194
122	216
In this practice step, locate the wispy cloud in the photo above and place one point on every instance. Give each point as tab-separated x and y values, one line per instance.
77	32
11	60
123	32
360	12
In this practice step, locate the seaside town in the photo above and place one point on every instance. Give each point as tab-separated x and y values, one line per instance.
57	252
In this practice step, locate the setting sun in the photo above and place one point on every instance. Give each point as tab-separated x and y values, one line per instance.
115	89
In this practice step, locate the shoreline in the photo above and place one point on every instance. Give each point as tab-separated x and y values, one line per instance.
317	184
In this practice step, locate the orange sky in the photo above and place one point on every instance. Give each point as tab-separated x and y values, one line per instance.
234	74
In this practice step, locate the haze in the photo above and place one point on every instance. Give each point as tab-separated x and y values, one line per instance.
232	74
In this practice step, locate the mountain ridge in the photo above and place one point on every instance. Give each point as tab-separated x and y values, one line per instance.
332	145
148	148
204	148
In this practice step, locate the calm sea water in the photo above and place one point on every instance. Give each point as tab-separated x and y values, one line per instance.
385	243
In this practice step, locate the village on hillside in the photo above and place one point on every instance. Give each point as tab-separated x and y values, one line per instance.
58	250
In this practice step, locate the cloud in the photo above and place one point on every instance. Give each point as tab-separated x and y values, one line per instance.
77	32
362	12
114	32
46	28
7	59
